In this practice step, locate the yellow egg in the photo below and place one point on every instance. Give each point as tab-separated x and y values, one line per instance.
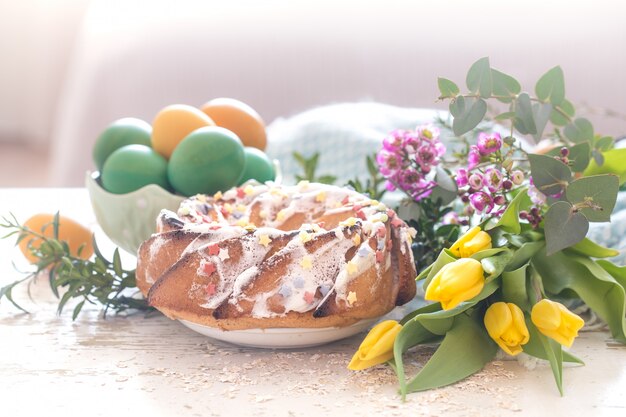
172	124
239	118
70	231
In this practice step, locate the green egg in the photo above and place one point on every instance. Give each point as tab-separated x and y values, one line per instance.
122	132
257	166
208	160
134	166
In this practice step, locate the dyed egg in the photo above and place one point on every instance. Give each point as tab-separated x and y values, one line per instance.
122	132
210	159
70	231
134	166
240	118
257	166
172	124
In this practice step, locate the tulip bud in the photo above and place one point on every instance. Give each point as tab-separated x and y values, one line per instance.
377	347
456	282
556	321
471	242
506	326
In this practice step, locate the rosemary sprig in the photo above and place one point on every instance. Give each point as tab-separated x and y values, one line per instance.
99	281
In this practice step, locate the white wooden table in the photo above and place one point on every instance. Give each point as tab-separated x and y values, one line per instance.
153	366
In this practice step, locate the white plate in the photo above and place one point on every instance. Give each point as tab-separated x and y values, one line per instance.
281	338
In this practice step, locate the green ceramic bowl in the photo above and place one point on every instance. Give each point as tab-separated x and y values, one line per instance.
129	219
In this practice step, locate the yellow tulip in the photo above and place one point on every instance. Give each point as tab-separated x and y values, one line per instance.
377	347
556	321
471	242
506	326
456	282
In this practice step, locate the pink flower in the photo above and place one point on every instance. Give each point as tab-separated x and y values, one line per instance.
537	197
461	178
476	181
389	186
388	162
393	142
489	143
473	157
425	155
493	180
481	202
451	218
517	177
428	132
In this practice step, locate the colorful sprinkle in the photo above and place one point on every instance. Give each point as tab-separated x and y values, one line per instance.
320	197
357	207
352	268
356	239
351	298
243	222
285	291
324	289
211	289
306	262
383	218
201	198
223	255
248	190
240	193
391	213
303	185
345	200
263	214
304	236
250	227
264	240
209	268
184	211
214	249
379	257
397	222
298	282
228	207
280	216
218	195
390	243
348	222
364	251
309	297
381	232
361	215
381	244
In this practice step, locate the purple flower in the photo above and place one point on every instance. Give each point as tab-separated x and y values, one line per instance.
409	179
425	155
388	162
517	177
489	143
393	142
476	181
473	157
481	202
461	177
493	179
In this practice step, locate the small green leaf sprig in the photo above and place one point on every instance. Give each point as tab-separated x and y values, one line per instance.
579	175
100	281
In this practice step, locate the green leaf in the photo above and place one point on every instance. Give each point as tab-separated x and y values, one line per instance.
504	85
598	192
564	227
447	88
613	164
551	86
479	78
589	248
541	115
550	175
467	113
412	334
524	118
443	259
590	281
604	143
524	254
548	349
579	156
77	309
580	130
559	119
509	221
514	287
465	349
505	116
494	265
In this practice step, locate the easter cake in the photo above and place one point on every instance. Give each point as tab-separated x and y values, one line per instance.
271	256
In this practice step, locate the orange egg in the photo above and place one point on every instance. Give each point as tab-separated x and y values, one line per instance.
239	118
70	231
172	124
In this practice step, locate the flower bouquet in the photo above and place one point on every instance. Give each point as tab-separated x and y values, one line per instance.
506	282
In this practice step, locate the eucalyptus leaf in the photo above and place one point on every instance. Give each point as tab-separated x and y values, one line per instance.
559	119
467	113
604	143
550	175
597	191
541	115
505	116
465	350
551	86
446	190
524	120
479	78
579	156
447	88
564	227
580	130
504	86
613	164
